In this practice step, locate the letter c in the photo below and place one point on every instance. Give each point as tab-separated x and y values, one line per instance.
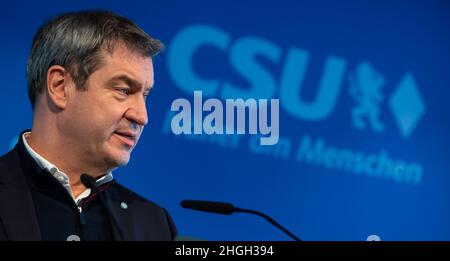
180	55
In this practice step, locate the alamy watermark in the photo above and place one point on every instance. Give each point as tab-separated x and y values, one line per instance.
215	122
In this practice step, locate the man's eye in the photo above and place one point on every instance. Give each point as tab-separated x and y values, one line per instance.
125	91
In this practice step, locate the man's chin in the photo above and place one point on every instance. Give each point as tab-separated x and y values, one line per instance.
123	161
116	156
119	160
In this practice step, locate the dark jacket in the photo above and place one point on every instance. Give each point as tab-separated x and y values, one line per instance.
141	220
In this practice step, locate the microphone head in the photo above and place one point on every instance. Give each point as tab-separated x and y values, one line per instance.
88	181
209	206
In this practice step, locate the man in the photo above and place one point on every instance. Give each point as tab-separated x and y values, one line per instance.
89	74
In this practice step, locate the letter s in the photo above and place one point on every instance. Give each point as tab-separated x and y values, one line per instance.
243	59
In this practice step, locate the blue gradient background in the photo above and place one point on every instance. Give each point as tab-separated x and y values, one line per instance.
396	37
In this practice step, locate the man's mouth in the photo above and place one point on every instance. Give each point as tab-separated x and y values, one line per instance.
127	137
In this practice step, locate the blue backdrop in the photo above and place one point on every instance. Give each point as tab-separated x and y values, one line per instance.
364	102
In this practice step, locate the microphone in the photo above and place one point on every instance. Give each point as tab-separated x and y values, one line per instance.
228	209
91	183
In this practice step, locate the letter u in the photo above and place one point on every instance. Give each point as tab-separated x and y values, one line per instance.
292	82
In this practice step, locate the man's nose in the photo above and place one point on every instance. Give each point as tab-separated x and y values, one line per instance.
137	112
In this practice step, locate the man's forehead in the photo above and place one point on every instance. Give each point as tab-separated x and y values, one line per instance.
129	66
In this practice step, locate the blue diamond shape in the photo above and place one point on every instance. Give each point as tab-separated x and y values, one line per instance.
407	105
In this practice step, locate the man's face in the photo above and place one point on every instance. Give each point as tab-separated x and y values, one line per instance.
104	122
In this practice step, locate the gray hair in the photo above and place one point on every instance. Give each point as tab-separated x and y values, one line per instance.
76	41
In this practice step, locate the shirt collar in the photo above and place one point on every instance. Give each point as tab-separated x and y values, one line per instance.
60	176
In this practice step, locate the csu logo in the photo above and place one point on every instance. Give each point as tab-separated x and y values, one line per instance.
365	89
364	83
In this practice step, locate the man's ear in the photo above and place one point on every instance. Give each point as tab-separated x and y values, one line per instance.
59	83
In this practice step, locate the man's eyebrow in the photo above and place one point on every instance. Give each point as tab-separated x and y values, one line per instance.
124	78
